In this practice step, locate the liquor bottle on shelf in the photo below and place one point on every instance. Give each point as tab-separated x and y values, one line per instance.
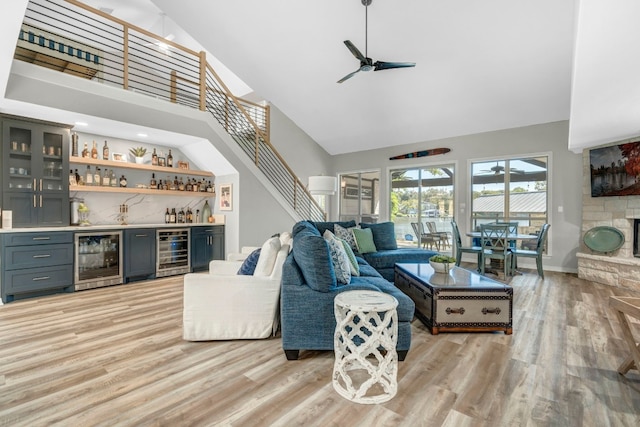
72	178
85	150
154	158
189	215
88	178
188	187
97	178
106	178
74	145
170	159
167	217
78	180
172	216
153	184
181	216
113	179
175	183
123	181
105	151
180	184
94	151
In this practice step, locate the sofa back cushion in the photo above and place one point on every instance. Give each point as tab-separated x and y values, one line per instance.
329	225
267	259
304	226
384	235
276	274
311	253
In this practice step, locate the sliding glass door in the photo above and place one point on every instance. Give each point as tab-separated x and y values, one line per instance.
511	190
421	195
360	196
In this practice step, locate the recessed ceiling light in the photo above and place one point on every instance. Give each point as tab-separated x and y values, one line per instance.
82	124
142	135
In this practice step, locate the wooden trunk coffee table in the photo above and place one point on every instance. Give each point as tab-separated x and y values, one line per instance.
461	301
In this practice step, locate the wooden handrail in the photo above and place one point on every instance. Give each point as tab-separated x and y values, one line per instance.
127	25
202	90
263	136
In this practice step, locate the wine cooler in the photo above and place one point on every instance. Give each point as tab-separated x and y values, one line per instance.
98	259
173	255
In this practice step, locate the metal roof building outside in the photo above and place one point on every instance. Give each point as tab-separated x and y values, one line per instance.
532	202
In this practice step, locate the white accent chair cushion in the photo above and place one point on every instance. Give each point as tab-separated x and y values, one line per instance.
222	305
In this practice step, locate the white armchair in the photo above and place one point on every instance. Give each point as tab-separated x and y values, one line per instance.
222	305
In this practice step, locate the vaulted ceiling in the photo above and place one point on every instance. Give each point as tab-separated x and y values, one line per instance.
481	65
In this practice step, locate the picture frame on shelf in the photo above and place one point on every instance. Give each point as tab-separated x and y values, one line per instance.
183	165
119	157
226	197
162	161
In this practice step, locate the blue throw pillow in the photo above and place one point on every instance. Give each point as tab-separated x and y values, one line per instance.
384	235
249	265
312	256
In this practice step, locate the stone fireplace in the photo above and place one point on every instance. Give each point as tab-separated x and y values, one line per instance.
622	267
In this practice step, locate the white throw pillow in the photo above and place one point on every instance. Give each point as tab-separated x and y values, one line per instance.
267	257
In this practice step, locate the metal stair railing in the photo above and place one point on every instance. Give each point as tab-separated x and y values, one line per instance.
76	39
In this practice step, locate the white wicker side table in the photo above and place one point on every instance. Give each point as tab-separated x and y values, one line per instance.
366	365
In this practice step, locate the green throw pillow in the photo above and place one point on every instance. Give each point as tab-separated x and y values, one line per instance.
353	262
364	239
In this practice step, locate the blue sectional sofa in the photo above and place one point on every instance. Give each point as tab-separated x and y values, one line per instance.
309	287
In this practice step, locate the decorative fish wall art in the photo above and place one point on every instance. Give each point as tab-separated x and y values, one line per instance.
423	153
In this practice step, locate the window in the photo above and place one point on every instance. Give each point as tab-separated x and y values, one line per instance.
512	190
360	196
419	195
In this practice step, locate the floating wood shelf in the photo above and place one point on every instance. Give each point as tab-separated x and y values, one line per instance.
136	190
136	166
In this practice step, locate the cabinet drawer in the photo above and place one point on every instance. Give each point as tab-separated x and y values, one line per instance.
44	238
473	311
17	257
36	279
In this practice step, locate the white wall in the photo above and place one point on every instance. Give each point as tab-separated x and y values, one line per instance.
565	177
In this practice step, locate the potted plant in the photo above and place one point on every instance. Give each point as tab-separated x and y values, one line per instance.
138	153
441	263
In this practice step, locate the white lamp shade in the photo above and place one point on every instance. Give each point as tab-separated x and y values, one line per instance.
327	185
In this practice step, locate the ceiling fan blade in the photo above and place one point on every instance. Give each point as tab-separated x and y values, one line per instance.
354	50
348	76
381	65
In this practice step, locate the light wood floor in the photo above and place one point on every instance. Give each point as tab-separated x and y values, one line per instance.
115	356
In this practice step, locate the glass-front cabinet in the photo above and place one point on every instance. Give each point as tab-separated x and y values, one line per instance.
34	183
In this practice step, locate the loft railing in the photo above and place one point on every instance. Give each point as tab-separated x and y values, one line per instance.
77	39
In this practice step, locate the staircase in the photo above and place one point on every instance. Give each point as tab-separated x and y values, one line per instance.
74	38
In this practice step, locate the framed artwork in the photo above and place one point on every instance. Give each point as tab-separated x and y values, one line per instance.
183	165
352	192
615	170
119	157
226	197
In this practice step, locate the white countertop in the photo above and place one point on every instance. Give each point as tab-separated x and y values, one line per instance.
103	227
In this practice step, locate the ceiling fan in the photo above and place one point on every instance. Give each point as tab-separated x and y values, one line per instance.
366	63
498	169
